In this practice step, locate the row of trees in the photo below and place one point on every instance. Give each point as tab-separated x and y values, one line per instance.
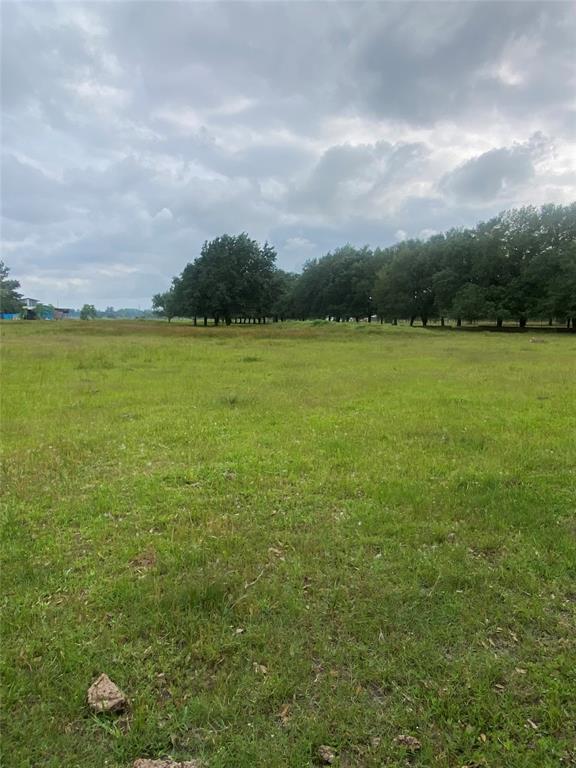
519	265
89	312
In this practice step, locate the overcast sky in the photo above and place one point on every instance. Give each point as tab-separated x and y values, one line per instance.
134	131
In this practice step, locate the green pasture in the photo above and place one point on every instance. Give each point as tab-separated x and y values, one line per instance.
277	537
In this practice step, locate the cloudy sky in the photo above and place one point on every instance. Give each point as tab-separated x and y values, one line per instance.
134	131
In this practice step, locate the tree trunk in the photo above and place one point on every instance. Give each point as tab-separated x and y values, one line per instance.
412	321
395	321
228	320
195	320
442	322
424	321
499	322
205	321
369	318
522	322
381	320
458	322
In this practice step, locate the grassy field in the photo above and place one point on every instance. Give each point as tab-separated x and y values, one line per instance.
278	537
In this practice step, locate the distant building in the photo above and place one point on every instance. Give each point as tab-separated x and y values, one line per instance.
29	308
35	310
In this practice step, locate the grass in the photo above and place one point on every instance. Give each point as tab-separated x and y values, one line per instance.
278	537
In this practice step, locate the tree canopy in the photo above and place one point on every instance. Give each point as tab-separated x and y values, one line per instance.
234	277
88	312
521	264
10	299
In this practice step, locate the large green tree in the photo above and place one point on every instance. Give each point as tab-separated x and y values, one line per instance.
234	277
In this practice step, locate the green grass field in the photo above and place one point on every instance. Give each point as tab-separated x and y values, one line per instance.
282	536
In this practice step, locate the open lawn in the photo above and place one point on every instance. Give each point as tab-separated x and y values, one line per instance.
282	536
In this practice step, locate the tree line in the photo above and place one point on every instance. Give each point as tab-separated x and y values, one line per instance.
89	312
517	266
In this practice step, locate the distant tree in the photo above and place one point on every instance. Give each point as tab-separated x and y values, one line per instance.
130	313
308	297
560	299
445	284
451	257
10	299
556	263
285	283
165	304
470	303
44	311
234	277
338	285
405	286
350	289
109	312
88	312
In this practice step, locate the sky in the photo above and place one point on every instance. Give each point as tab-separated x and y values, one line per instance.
134	131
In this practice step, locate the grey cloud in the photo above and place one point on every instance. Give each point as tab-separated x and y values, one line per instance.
437	60
31	195
310	124
349	179
494	174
